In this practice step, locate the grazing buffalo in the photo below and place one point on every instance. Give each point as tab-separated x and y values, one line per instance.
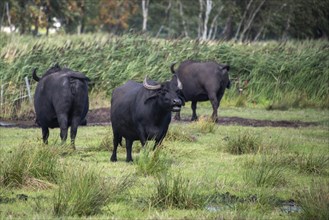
202	81
61	100
143	112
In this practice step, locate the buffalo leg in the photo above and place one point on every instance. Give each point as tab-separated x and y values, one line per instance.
74	129
45	134
129	145
193	106
157	143
63	124
177	116
215	104
115	147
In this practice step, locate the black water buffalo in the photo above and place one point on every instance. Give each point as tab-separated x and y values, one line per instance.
143	112
61	100
202	81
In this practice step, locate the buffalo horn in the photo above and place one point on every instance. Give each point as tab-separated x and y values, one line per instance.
179	84
150	87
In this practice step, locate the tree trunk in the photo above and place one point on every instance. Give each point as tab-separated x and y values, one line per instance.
242	20
145	8
200	19
227	32
8	16
182	16
36	26
250	20
212	32
165	19
205	23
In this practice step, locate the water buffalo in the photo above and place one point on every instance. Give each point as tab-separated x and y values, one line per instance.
61	100
202	81
143	112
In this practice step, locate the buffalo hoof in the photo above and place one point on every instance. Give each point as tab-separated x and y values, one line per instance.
129	160
177	118
114	159
194	118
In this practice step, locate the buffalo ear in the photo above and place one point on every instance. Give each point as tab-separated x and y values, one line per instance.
153	96
226	67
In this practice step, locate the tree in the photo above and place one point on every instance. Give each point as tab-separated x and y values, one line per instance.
145	8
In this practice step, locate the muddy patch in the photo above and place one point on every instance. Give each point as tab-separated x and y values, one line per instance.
101	116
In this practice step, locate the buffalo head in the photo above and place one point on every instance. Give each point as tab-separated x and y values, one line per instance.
166	93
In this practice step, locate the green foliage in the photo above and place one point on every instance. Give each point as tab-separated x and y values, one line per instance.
152	162
28	165
314	200
175	191
243	143
264	173
273	70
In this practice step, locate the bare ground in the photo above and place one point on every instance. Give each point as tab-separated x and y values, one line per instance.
101	116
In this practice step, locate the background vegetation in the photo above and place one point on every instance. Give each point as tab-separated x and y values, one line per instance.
273	74
248	20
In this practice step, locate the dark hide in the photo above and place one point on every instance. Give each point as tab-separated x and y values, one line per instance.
202	81
138	113
61	100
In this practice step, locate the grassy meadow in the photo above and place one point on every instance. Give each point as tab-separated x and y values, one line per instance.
202	170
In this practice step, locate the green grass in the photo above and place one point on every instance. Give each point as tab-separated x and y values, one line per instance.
201	179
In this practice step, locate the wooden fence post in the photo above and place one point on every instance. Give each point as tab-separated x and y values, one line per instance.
28	89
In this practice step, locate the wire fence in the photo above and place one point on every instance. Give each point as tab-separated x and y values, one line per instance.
12	96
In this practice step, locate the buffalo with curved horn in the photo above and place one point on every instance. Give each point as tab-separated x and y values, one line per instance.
142	111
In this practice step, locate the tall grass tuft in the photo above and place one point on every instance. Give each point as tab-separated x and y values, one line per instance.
310	163
28	165
175	191
84	191
176	134
264	173
204	125
314	200
152	162
243	143
306	163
